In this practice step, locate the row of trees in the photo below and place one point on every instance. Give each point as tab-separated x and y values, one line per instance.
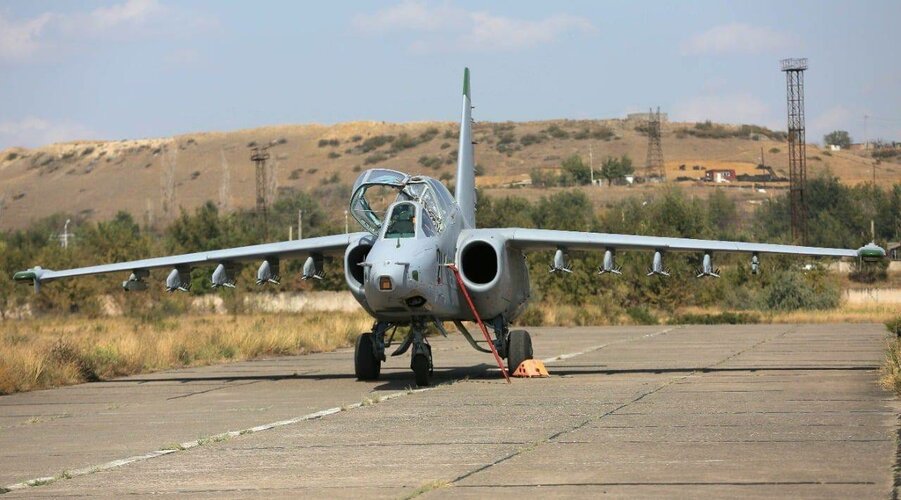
840	217
575	172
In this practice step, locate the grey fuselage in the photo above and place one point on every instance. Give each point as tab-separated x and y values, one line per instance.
416	267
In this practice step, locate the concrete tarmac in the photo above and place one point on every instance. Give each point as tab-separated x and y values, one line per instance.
713	411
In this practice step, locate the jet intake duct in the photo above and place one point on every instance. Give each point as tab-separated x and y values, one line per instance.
495	275
356	269
479	263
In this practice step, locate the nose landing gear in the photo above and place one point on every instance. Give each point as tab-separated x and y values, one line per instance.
421	362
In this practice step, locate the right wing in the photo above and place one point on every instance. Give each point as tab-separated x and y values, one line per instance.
269	253
548	239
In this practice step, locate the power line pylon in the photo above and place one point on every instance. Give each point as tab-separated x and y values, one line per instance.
654	170
258	156
797	148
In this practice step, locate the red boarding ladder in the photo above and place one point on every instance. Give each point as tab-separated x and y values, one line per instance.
472	307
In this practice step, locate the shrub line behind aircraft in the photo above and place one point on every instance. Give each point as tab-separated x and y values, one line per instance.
397	269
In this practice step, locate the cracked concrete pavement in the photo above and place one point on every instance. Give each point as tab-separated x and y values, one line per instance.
750	410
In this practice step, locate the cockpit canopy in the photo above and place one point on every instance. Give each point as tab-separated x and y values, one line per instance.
375	190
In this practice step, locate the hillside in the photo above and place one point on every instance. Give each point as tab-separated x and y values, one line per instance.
94	180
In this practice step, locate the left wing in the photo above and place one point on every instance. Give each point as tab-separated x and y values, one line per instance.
547	239
225	259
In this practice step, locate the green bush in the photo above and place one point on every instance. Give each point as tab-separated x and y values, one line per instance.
402	142
557	133
641	315
724	318
433	162
602	133
894	326
529	139
375	158
375	142
791	290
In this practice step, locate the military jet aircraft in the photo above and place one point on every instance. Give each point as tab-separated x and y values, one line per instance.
407	267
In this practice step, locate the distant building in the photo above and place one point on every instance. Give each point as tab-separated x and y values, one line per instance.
835	147
643	117
893	250
720	175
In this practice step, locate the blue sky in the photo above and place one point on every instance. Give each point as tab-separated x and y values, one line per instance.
148	68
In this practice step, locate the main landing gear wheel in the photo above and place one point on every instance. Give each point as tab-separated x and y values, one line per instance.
366	365
519	349
421	364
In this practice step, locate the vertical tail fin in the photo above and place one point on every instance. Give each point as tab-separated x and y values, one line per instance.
466	180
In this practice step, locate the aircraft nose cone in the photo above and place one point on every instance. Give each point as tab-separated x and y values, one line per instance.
391	282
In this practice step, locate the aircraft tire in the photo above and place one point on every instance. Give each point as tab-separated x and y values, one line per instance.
421	369
366	365
519	349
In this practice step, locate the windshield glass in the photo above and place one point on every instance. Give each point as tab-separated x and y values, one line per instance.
375	190
402	223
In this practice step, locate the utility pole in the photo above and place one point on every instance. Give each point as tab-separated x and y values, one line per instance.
300	224
763	166
591	163
64	238
866	137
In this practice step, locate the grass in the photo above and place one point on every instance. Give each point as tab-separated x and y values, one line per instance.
891	368
548	314
51	352
427	487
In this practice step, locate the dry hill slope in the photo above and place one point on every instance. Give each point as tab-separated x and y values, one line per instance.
96	179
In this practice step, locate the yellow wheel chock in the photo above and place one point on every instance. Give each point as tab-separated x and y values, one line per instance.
531	368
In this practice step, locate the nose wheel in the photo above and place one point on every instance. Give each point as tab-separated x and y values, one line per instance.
519	349
421	364
367	365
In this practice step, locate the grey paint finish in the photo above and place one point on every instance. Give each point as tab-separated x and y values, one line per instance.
545	239
294	248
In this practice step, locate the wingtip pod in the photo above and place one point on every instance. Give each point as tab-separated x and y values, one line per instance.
871	252
32	275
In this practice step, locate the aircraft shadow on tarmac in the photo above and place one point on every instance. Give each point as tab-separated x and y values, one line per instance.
397	378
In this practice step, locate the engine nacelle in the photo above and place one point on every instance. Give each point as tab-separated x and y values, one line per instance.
356	270
495	275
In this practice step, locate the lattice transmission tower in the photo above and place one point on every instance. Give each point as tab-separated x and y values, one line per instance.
258	156
797	148
653	166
